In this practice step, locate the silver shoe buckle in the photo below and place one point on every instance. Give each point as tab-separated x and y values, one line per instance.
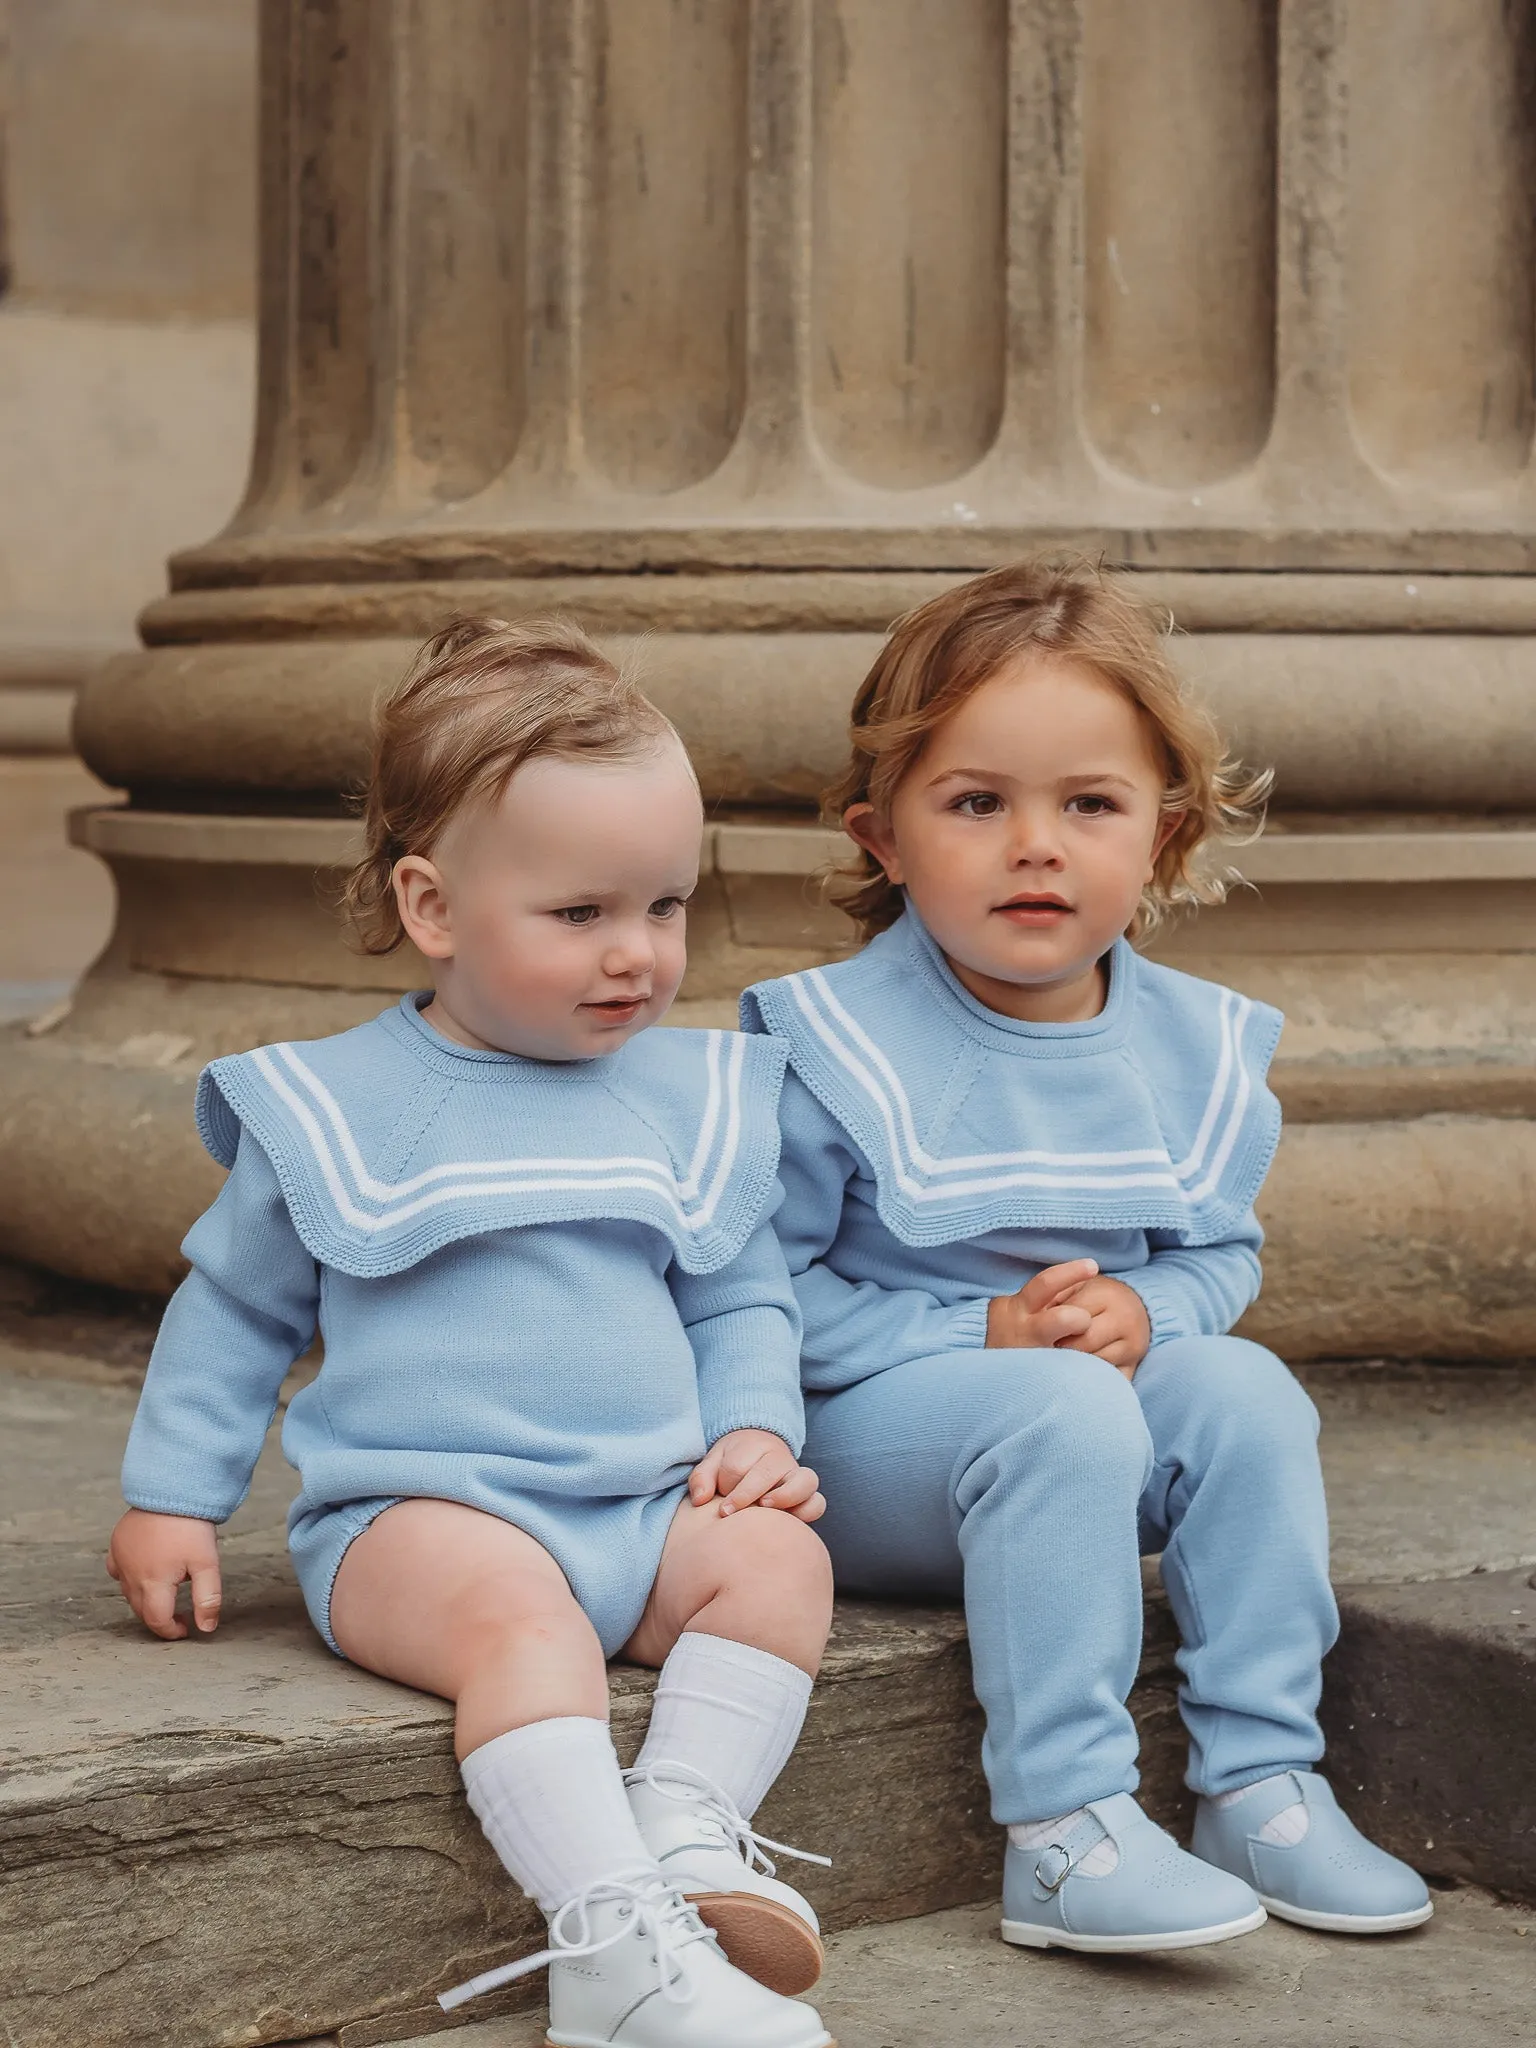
1052	1885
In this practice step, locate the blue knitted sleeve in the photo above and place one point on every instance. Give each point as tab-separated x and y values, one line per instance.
232	1329
853	1328
744	1326
1198	1290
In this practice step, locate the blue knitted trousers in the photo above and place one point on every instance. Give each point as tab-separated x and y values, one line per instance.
1030	1482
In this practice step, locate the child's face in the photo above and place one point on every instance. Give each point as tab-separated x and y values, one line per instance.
556	920
1026	830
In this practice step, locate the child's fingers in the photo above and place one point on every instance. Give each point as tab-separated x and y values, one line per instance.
811	1510
791	1491
156	1608
701	1481
1052	1282
1054	1326
760	1475
207	1597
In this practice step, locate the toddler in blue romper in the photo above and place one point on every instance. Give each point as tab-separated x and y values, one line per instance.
559	1411
1020	1163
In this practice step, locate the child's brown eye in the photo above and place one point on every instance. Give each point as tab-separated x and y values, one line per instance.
978	803
578	914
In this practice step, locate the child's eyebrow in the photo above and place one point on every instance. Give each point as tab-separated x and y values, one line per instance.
992	775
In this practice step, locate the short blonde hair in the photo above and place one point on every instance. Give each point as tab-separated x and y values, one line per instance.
480	699
933	659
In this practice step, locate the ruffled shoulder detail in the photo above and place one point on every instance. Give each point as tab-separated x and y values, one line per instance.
386	1154
1157	1116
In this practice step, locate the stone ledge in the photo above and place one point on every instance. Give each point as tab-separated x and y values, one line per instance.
1445	854
140	1847
1430	1710
838	601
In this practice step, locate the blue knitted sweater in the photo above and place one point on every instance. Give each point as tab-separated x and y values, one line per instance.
531	1278
936	1153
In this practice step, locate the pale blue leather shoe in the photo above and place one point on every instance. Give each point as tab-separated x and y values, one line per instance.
1332	1879
1156	1897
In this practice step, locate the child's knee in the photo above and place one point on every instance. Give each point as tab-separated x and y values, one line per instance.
769	1545
1231	1379
1074	1413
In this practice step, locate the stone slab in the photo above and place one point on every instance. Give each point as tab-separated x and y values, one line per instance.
157	1801
1431	1720
948	1981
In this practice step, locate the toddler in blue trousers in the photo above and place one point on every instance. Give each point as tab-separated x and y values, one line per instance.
1019	1164
559	1412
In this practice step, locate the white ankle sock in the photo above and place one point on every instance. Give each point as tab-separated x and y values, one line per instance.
1100	1860
730	1712
551	1800
1285	1828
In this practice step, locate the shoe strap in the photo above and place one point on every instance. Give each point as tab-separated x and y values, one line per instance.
643	1897
1057	1859
691	1788
1273	1795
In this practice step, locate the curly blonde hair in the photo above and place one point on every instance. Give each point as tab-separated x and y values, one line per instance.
934	657
480	699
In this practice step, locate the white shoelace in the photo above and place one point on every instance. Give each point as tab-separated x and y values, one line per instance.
643	1898
718	1812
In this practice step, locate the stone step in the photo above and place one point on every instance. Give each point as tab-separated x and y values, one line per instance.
242	1840
947	1981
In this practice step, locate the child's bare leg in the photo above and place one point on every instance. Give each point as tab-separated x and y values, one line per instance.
758	1577
460	1603
737	1620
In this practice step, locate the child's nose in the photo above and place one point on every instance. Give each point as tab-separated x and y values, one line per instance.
630	953
1035	840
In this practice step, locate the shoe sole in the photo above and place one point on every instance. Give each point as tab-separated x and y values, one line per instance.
1350	1923
606	2041
763	1938
1024	1934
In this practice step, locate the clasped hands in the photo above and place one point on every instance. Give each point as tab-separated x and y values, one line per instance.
1073	1307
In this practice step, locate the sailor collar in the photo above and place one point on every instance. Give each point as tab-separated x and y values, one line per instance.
1155	1114
391	1141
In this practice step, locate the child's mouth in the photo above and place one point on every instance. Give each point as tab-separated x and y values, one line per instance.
1035	910
617	1009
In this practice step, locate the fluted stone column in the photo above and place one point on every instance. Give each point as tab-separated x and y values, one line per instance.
738	326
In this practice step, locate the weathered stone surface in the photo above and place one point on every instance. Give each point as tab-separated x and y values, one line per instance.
1431	1717
947	1981
239	1839
159	1802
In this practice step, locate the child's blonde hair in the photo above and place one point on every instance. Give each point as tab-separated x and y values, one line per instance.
934	657
480	699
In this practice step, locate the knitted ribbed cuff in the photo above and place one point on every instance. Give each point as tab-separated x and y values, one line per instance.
967	1328
1166	1302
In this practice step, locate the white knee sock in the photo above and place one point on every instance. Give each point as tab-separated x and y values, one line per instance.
729	1711
1287	1827
551	1800
1100	1860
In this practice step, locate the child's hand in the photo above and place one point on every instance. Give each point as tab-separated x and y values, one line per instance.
1121	1330
150	1555
1043	1313
753	1467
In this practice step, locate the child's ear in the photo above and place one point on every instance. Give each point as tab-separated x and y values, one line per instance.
423	904
866	828
1167	825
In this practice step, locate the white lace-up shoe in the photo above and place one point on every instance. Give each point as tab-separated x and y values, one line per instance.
718	1862
631	1965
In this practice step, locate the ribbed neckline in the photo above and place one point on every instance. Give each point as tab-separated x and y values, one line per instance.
1015	1034
406	1024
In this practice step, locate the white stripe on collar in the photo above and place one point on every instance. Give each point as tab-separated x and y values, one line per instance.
913	1166
465	1179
